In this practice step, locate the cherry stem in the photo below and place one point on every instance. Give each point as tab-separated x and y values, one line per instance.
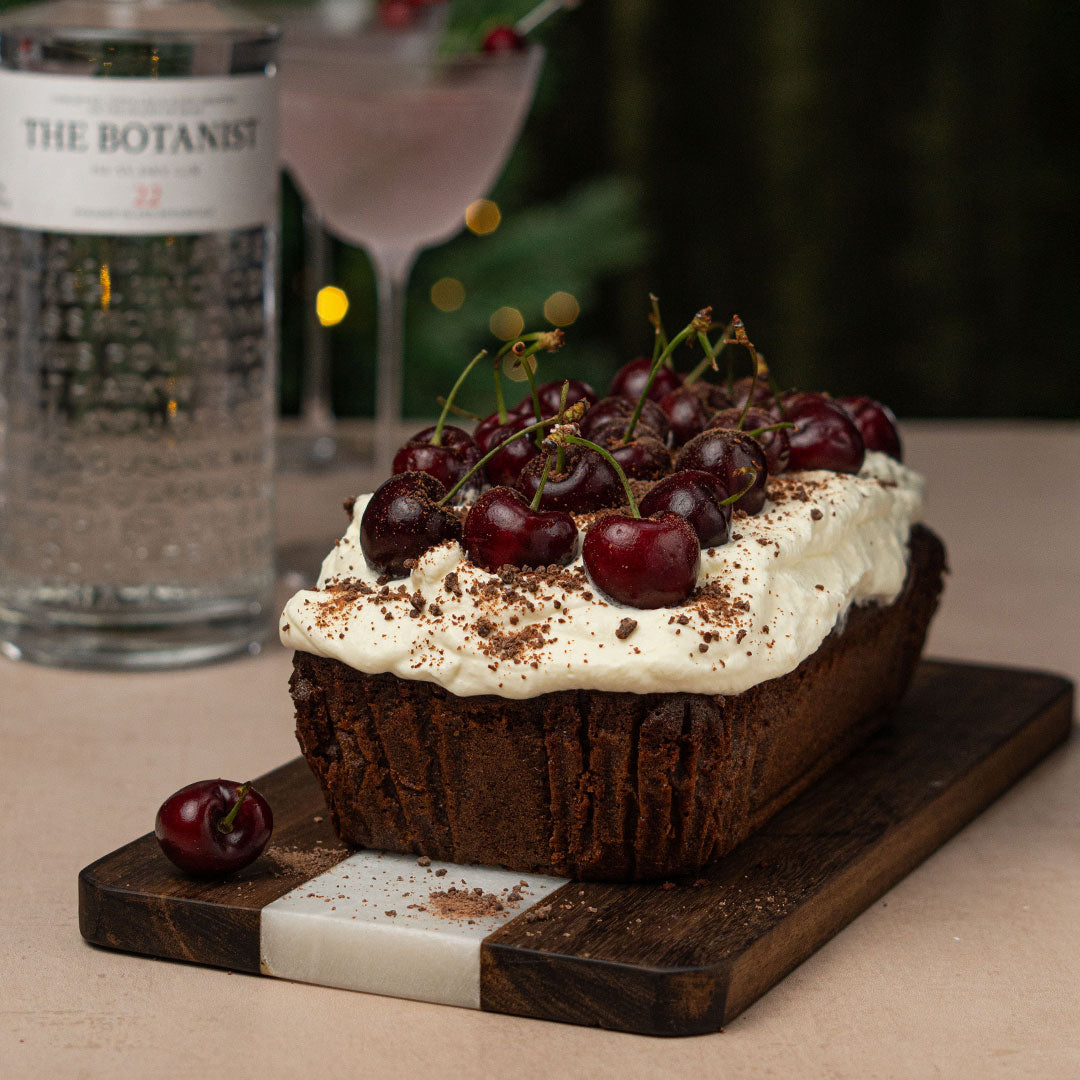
226	823
742	339
659	337
457	410
577	440
709	360
436	436
691	327
492	452
543	11
560	460
739	494
535	504
500	401
772	427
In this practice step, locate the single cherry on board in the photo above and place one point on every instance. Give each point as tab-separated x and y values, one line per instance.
876	424
697	496
502	530
729	455
642	562
213	827
402	520
447	462
824	436
630	380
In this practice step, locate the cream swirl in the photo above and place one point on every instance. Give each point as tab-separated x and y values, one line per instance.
765	601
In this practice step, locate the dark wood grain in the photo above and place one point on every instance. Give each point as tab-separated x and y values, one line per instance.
686	958
136	900
662	958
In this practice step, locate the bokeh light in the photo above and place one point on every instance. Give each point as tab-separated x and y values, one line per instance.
482	217
561	308
331	304
448	294
506	323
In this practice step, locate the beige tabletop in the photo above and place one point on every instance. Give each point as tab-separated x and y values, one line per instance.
970	967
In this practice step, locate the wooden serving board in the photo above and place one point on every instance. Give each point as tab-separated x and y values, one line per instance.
672	958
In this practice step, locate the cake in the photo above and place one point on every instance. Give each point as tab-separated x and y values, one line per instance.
520	718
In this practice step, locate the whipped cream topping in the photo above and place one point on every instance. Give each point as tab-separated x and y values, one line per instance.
765	601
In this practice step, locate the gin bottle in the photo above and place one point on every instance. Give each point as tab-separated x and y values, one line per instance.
138	255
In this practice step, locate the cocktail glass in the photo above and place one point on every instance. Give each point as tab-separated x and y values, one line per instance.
390	143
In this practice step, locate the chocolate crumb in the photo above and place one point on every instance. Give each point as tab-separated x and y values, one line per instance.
538	914
391	912
668	885
440	873
424	860
626	628
816	514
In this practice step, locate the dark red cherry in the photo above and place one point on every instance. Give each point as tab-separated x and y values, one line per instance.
550	394
762	392
630	380
195	830
642	562
484	430
502	39
508	462
724	453
501	530
448	462
685	412
586	483
696	496
644	458
609	411
876	424
711	395
402	520
776	444
824	436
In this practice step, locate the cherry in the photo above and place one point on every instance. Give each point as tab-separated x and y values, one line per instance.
697	496
758	391
685	411
630	380
508	462
642	458
711	395
726	453
775	443
642	562
586	483
448	462
484	432
402	520
502	530
502	39
617	411
396	14
876	424
550	394
824	436
213	827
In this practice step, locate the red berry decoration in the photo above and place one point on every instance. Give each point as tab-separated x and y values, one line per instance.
586	483
396	14
615	413
502	39
642	562
685	412
697	496
876	424
402	520
734	457
756	389
630	380
505	467
775	443
550	395
642	458
213	827
824	436
447	462
502	530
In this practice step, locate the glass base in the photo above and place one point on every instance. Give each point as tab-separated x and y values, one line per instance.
142	647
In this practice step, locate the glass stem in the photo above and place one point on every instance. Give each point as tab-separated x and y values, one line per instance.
391	281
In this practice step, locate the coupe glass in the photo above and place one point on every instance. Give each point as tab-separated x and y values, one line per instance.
390	143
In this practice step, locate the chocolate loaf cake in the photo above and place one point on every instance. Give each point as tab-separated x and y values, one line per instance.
597	784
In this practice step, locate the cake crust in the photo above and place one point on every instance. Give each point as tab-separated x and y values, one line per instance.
596	785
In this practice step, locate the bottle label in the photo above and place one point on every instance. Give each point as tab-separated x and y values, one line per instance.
137	156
